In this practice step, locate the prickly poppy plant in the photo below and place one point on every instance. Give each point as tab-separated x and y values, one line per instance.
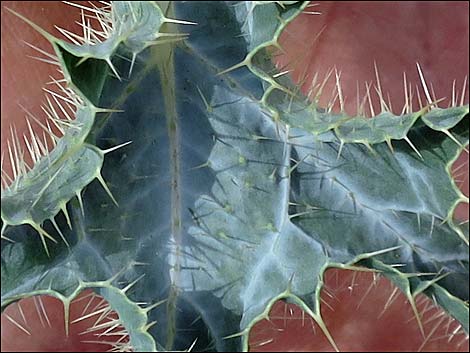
192	184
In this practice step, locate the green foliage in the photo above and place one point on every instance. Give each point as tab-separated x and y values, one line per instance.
235	190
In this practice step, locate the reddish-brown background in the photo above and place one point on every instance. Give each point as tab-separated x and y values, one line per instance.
394	34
